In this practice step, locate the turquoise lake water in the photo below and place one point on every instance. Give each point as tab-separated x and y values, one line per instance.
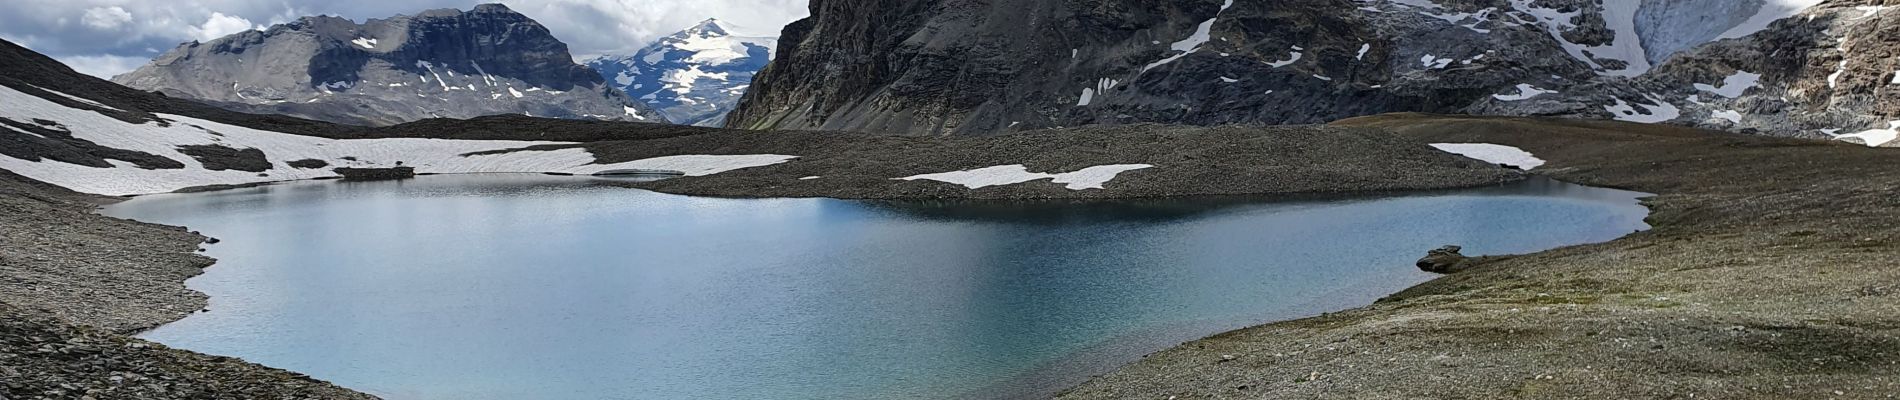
541	287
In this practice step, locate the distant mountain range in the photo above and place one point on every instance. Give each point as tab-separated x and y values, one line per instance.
693	77
437	63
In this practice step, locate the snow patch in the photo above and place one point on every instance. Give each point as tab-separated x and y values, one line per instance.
1734	85
1869	11
1202	34
485	77
1876	137
438	77
1834	79
1619	16
1101	87
1292	56
693	165
1087	178
1658	111
1524	92
1493	153
1731	115
367	43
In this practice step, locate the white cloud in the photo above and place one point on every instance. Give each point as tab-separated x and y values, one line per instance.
594	27
219	25
106	18
103	66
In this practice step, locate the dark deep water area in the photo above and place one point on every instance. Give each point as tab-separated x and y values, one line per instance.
530	286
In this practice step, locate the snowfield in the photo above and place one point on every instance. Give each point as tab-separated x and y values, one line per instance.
1493	153
1524	92
692	164
1876	137
426	155
1087	178
1659	112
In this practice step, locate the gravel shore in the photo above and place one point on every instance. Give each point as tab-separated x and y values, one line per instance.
1769	275
73	284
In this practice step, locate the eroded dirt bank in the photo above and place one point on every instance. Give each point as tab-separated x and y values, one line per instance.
1773	272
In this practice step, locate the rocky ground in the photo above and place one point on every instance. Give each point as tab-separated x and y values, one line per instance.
1187	161
1769	275
74	283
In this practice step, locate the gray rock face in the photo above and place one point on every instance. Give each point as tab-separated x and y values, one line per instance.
693	77
969	67
1828	72
438	63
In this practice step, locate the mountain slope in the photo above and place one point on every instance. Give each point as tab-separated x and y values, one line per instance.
93	136
693	77
438	63
967	67
1828	73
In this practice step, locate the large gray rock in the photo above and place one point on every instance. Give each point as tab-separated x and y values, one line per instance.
438	63
976	67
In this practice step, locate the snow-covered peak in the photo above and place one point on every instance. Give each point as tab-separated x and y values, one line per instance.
710	27
693	76
710	42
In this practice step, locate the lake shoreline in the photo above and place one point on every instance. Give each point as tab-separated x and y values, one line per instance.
1583	157
79	284
1684	309
147	290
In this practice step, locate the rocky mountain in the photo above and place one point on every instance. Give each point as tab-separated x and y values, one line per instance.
969	67
692	77
89	135
438	63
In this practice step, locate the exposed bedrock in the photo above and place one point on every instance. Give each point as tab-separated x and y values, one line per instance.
1784	67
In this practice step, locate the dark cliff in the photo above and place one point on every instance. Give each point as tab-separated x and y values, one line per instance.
978	67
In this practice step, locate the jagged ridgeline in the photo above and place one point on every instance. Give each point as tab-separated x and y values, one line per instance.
1783	67
438	63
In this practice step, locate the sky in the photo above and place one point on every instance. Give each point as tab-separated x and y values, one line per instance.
108	37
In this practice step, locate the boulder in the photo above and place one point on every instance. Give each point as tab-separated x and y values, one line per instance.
1445	260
